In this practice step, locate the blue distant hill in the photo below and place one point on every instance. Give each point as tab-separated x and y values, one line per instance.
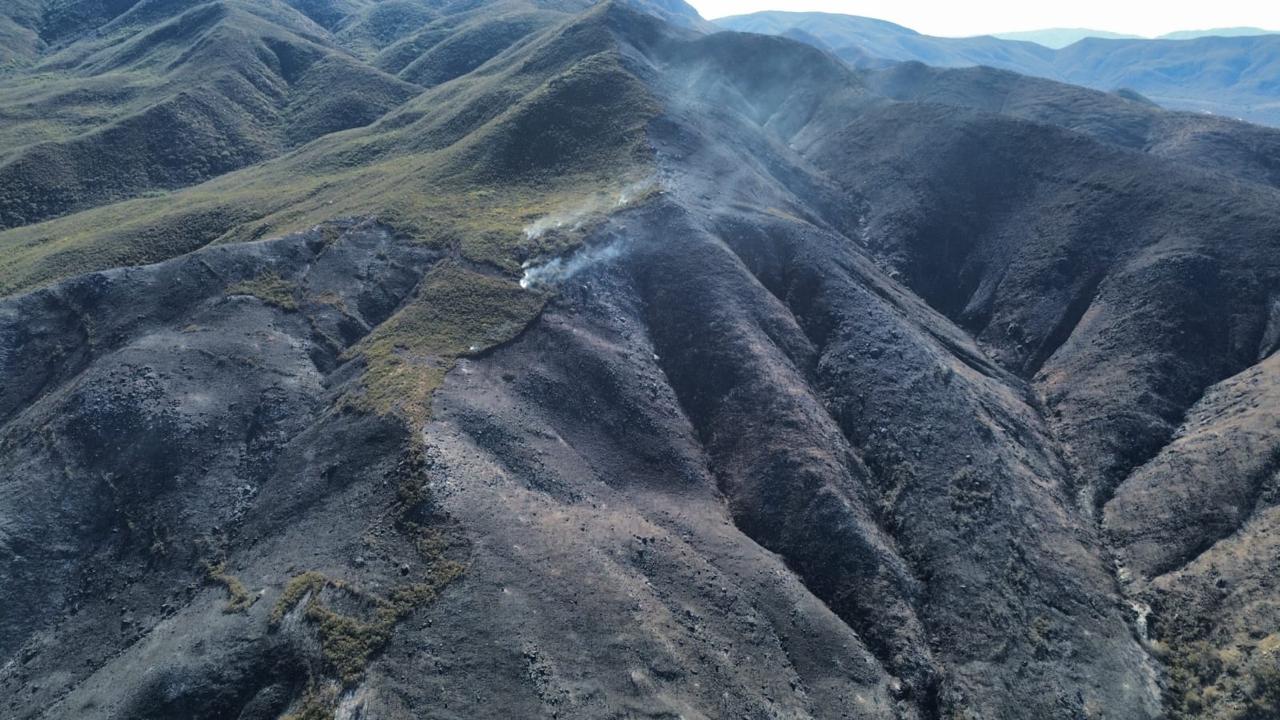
1061	37
1233	72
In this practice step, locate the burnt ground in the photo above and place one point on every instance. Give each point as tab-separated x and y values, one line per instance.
873	408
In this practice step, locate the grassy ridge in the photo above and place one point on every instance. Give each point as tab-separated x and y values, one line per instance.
453	167
549	126
172	102
106	101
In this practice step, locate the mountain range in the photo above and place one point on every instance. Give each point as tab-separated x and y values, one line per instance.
1058	38
1231	76
558	359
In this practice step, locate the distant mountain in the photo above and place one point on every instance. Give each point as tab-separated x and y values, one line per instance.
1061	37
1230	76
1216	32
849	35
1058	38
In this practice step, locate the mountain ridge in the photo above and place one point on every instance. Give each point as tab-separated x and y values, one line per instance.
1228	76
1058	38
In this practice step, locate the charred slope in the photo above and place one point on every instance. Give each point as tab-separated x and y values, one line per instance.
852	407
1125	119
1120	285
161	422
1043	244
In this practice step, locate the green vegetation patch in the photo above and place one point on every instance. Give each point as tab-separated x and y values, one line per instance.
1237	680
269	288
456	312
135	232
239	599
299	587
348	642
318	703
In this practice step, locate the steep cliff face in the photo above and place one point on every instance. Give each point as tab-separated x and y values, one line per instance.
650	373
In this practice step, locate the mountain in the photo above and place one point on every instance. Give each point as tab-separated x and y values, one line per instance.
1228	76
627	369
848	35
1057	38
1216	32
164	95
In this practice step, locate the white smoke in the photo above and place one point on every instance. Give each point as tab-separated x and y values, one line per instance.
575	218
557	270
572	219
539	273
635	191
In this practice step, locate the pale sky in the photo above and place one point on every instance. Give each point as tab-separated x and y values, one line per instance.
977	17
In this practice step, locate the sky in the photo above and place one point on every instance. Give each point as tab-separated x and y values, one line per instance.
977	17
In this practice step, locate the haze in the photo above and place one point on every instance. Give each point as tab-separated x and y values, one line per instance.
991	16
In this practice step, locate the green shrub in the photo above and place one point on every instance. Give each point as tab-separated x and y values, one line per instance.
239	599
